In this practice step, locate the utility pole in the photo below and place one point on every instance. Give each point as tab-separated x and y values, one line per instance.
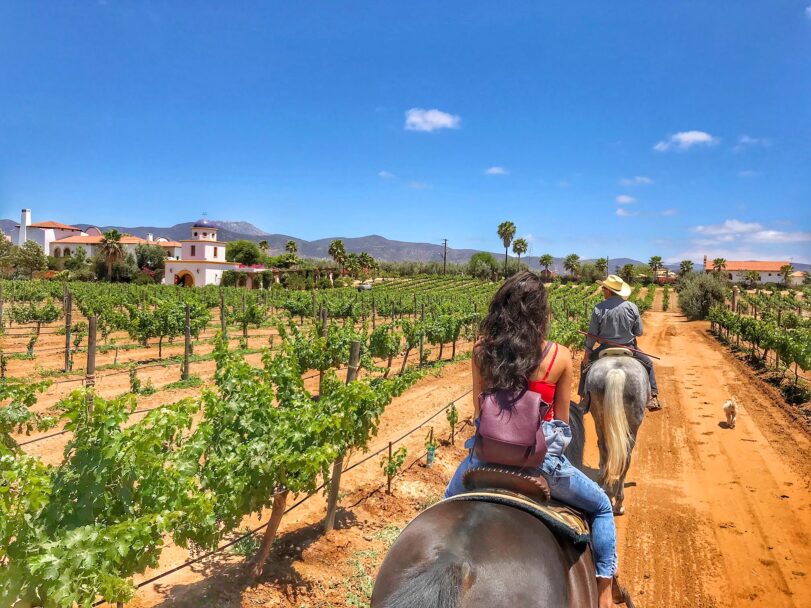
444	255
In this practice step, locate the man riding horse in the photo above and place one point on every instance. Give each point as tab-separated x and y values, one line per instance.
616	322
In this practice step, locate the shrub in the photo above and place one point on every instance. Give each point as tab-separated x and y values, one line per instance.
698	293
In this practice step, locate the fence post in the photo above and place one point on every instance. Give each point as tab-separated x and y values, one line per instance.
735	292
90	368
187	344
223	330
338	466
68	304
422	332
388	475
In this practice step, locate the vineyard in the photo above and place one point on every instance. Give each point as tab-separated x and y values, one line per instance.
132	479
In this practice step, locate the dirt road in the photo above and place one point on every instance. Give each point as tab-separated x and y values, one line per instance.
715	517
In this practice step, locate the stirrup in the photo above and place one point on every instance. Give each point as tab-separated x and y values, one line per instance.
654	405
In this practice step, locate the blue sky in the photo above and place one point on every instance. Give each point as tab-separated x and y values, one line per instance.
621	129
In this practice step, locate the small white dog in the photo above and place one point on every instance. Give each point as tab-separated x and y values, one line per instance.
731	411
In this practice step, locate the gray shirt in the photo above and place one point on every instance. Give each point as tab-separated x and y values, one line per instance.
615	319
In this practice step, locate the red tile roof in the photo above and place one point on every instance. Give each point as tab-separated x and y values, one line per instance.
743	266
54	225
167	243
95	240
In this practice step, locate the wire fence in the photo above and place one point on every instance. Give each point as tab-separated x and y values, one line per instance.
302	500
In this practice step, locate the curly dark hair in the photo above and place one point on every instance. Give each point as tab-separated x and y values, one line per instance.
509	350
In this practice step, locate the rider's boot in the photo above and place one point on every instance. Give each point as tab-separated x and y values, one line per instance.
654	404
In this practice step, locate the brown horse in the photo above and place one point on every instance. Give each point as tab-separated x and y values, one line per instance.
469	554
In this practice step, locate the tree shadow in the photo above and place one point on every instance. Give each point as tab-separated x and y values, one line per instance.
224	580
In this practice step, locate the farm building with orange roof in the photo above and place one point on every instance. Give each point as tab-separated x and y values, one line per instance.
736	270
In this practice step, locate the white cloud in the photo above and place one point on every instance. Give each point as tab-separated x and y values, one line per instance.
669	212
622	212
624	199
746	141
496	171
684	140
418	119
419	185
635	181
386	174
736	231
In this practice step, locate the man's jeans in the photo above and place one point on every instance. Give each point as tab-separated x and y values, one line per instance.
641	357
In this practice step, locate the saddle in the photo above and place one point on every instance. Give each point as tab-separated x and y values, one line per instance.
615	351
529	493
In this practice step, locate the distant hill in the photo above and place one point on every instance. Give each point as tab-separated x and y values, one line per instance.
375	245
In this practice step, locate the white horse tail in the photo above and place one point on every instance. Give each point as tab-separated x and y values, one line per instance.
617	433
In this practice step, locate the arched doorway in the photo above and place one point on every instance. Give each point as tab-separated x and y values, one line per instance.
184	278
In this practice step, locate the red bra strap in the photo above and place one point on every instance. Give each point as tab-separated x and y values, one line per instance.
551	363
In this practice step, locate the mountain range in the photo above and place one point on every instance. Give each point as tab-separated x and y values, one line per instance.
377	246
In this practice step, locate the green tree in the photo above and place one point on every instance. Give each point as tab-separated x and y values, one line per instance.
627	273
506	232
291	247
655	263
149	256
28	259
264	246
482	265
78	260
6	255
785	273
111	250
601	265
751	278
337	252
520	247
572	264
685	267
700	292
546	260
243	252
718	264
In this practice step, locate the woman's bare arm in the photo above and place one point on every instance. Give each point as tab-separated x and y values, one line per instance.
477	386
563	388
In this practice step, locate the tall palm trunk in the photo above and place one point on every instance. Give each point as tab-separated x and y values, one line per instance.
505	261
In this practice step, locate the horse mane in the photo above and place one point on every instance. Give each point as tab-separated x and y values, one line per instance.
437	584
574	452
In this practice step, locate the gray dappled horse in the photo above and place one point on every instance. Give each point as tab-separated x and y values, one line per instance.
617	390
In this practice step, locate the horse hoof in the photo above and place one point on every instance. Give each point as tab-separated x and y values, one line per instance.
619	510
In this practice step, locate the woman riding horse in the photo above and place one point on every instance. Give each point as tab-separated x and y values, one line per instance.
513	353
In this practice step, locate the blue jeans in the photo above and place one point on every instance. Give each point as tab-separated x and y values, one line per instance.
571	486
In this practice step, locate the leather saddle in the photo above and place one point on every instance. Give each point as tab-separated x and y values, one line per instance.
615	351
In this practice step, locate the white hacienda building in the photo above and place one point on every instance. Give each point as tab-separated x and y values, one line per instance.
736	270
60	240
202	260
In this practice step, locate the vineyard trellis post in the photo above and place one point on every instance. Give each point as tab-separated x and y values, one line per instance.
244	320
735	293
2	321
222	315
337	467
186	344
90	367
422	333
324	330
68	304
374	313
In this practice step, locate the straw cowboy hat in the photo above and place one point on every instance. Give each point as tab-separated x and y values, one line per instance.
617	285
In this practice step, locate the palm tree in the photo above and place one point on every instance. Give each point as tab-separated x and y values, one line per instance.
655	263
264	246
546	260
627	273
572	264
685	267
111	250
718	264
520	247
506	232
337	251
601	265
785	273
752	278
291	247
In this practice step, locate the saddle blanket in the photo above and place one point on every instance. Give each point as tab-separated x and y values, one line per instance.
560	518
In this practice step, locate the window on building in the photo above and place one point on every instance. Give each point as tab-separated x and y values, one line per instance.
195	234
205	234
194	250
215	252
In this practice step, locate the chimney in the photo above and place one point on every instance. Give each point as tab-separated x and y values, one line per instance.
149	237
705	262
25	222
